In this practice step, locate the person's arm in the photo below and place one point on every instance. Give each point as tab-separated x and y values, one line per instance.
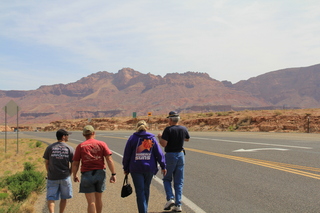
75	168
47	165
159	157
162	142
164	172
71	154
126	157
187	136
70	168
111	168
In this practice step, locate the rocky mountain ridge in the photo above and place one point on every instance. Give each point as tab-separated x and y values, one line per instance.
105	94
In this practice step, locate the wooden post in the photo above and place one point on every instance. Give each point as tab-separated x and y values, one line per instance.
17	129
5	129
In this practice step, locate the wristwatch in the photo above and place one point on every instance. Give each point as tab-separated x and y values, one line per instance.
113	174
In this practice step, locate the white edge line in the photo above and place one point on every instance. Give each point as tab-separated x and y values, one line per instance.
263	144
186	201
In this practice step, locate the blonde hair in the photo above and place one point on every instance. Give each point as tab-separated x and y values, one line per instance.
141	126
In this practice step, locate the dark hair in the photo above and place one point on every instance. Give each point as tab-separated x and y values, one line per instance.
60	133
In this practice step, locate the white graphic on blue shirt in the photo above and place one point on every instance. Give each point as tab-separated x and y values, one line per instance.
144	149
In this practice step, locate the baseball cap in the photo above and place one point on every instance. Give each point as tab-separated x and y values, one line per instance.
62	132
173	114
88	130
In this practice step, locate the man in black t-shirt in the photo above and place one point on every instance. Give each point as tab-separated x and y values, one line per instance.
172	139
58	158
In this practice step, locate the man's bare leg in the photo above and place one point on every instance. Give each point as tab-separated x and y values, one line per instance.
51	206
63	204
91	202
98	202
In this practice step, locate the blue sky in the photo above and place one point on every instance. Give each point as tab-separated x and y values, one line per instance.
50	42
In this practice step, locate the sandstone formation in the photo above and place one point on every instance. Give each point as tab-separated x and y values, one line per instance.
5	128
297	87
105	94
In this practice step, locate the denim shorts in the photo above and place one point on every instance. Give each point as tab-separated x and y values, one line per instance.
93	181
57	189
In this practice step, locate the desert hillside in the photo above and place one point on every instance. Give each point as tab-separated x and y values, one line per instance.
105	94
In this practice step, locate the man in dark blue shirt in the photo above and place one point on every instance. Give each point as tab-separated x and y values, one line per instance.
172	139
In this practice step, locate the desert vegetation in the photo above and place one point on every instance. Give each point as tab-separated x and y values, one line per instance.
293	120
22	175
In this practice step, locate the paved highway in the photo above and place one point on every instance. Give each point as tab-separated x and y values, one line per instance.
241	172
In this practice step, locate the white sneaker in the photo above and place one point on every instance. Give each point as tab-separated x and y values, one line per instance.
169	204
177	208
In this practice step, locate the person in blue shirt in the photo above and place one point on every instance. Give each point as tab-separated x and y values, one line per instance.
141	156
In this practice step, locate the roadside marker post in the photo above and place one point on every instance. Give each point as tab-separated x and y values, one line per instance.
12	109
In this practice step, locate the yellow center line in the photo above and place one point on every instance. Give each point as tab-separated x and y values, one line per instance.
293	166
269	164
290	168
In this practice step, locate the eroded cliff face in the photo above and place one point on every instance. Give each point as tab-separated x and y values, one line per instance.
297	87
105	94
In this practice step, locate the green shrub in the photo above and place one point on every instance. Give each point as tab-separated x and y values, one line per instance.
21	190
31	145
276	113
2	182
28	166
210	114
3	196
38	143
7	173
222	113
232	128
244	121
13	208
23	183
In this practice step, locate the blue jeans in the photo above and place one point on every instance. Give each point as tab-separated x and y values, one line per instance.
59	188
142	183
175	172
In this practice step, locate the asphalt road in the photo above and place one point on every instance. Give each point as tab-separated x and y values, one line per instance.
241	172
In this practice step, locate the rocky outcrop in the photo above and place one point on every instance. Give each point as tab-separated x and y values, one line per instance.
5	128
263	121
299	120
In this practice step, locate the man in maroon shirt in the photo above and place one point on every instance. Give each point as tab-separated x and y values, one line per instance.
92	153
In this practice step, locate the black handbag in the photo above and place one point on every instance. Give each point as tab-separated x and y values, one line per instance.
126	187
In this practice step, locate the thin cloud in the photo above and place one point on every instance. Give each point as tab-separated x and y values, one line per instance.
230	40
